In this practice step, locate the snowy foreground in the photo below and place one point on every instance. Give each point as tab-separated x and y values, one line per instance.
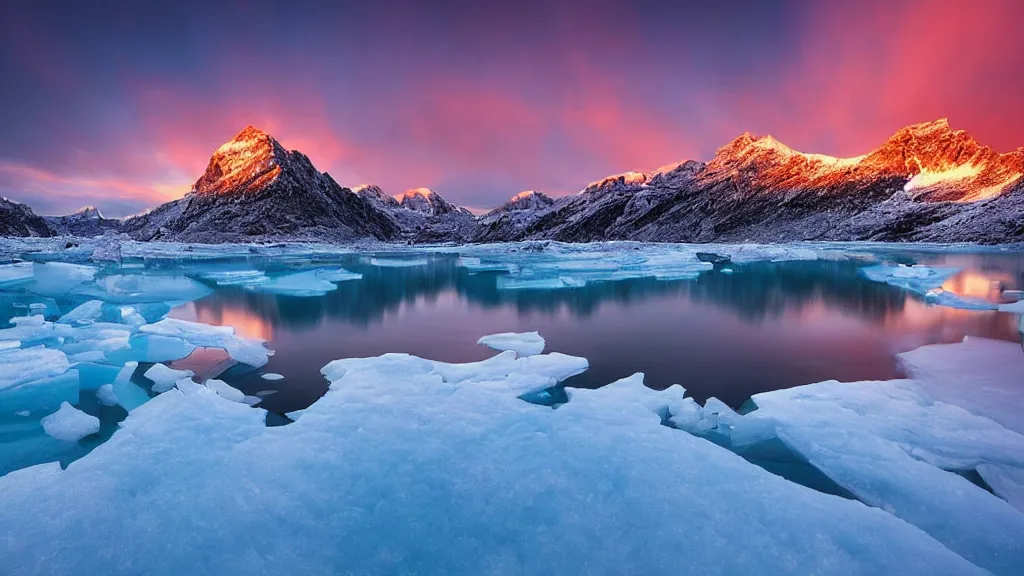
412	466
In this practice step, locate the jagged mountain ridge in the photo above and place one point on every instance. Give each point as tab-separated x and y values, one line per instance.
255	189
925	183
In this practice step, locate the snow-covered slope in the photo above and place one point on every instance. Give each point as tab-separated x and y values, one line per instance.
422	214
253	188
925	183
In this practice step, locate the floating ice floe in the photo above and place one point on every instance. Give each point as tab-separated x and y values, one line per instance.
271	376
225	390
396	262
70	424
143	288
441	475
129	394
59	278
894	446
17	273
310	283
36	379
84	313
1014	307
164	377
926	281
106	396
523	343
237	277
249	351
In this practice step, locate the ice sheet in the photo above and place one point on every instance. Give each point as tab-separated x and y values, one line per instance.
396	470
143	288
249	351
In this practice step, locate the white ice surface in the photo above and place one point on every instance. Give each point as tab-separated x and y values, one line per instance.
522	343
249	351
225	390
310	283
84	313
893	444
106	396
236	277
164	377
271	376
1014	307
70	424
17	273
399	470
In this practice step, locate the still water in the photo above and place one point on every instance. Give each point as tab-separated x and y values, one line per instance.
764	327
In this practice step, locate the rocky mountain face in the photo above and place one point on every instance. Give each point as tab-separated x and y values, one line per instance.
926	183
17	219
422	215
88	221
254	189
513	217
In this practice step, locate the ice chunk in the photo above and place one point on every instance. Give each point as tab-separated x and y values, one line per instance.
271	376
9	345
917	279
251	400
189	386
302	284
70	424
23	366
106	396
225	390
396	262
164	378
13	274
143	288
151	348
237	277
439	478
129	394
337	275
249	351
22	413
294	415
890	445
523	344
1014	307
1014	295
85	313
93	374
985	377
59	278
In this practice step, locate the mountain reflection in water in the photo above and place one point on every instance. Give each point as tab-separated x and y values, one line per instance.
768	326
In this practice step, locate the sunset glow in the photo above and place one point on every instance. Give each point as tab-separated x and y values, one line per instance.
123	107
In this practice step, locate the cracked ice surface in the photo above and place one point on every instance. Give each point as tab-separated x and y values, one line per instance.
892	444
413	466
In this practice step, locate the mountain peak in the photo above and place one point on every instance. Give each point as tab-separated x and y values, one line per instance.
425	201
248	161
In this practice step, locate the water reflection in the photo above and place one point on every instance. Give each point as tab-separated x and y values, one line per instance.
767	326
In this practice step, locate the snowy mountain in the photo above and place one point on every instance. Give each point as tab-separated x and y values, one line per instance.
17	219
513	217
422	214
925	183
255	189
88	221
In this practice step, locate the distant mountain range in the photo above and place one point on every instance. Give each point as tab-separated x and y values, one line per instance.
925	183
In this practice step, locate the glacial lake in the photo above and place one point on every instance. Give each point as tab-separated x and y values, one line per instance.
724	330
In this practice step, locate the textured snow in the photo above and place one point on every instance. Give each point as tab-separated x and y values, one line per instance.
70	424
249	351
23	366
398	469
164	377
523	343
